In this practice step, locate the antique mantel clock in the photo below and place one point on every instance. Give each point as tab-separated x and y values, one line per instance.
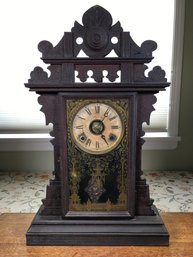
97	105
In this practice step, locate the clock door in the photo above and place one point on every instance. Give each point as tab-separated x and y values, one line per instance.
98	156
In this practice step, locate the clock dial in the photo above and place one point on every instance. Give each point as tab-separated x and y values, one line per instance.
97	128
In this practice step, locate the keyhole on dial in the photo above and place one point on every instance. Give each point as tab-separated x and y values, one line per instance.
112	137
82	137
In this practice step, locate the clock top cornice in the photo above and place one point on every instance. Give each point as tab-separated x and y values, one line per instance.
96	33
97	37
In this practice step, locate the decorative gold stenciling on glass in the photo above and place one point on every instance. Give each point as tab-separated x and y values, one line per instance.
74	182
98	182
122	187
95	186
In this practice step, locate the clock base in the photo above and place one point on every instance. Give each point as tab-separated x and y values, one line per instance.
141	230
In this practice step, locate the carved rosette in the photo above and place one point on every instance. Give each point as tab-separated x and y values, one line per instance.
97	33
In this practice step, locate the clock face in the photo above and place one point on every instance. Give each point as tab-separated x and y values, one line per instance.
97	128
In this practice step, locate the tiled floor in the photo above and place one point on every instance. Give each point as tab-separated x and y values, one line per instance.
23	191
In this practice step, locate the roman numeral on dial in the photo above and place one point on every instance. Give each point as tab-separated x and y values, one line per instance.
115	127
112	118
80	117
88	110
79	127
88	142
97	145
97	108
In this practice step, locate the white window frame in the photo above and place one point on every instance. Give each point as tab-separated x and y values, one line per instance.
169	140
154	140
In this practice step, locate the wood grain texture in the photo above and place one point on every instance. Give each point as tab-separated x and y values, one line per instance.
13	228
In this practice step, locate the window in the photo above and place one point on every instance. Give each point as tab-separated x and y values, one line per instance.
147	19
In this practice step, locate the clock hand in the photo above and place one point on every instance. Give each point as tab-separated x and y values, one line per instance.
103	118
103	137
105	115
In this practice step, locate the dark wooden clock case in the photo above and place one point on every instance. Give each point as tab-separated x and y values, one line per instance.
55	223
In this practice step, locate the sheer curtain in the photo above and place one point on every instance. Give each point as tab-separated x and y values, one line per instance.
25	23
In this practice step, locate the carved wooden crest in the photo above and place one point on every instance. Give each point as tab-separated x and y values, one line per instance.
97	37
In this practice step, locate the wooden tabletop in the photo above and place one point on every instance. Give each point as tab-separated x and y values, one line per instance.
13	228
